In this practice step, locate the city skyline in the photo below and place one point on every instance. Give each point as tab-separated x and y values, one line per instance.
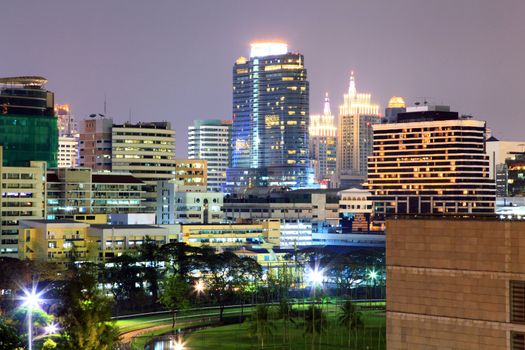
138	55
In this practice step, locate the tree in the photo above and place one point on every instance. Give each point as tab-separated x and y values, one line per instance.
285	313
49	344
125	276
149	257
350	318
39	317
181	258
85	314
174	296
261	324
9	339
314	322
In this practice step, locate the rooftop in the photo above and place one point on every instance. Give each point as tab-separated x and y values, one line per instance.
24	80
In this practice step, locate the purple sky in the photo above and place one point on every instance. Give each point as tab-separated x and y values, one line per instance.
172	60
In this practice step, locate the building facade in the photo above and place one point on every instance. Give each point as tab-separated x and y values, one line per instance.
430	161
323	144
499	152
67	151
192	172
67	124
28	126
146	150
95	143
270	119
357	114
210	140
23	197
73	191
455	284
179	204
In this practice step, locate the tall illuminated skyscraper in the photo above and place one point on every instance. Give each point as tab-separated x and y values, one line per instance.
270	119
357	114
323	145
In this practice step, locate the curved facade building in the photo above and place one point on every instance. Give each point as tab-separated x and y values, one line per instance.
28	125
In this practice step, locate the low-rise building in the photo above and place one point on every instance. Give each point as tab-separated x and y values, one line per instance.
60	241
264	233
81	191
177	203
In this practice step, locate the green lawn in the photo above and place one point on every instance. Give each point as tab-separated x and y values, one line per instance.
237	337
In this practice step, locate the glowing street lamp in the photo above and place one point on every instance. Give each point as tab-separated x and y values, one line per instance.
31	300
177	344
372	275
316	277
199	287
51	328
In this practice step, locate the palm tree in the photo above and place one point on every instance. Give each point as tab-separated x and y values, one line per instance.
314	322
261	323
350	318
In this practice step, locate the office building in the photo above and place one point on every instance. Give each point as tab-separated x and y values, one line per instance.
264	233
192	172
67	124
516	175
395	106
357	114
323	145
59	241
499	152
23	197
67	151
146	150
430	161
73	191
179	204
302	212
210	140
95	143
270	119
28	126
455	284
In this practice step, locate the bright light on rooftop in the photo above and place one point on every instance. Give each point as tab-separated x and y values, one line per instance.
268	49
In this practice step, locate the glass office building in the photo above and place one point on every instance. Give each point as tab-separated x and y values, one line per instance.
270	119
28	125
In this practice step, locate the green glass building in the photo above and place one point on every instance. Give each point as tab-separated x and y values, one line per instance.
28	125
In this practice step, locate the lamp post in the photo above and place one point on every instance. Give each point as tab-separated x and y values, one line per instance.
31	300
372	276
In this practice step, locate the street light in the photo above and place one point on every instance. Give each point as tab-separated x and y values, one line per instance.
51	328
199	287
31	300
316	277
177	344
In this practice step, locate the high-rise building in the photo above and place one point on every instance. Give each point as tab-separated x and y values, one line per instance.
95	143
396	105
146	150
210	140
270	119
499	152
28	126
431	161
323	146
357	114
67	125
67	151
192	172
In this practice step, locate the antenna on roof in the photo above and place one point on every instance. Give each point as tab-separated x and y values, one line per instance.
130	115
105	104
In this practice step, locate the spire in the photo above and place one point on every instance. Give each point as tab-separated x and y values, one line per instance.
326	110
352	91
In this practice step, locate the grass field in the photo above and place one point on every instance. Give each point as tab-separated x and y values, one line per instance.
238	337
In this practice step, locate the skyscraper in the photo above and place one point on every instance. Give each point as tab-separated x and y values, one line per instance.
323	147
211	140
28	126
270	119
395	106
431	161
67	125
357	114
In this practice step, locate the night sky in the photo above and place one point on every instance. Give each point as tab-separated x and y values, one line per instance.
172	60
